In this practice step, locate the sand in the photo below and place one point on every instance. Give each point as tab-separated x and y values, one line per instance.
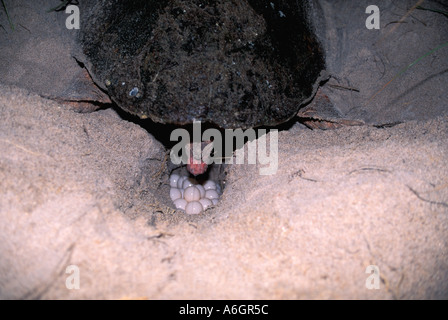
91	189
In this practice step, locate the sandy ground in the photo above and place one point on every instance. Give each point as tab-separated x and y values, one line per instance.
90	189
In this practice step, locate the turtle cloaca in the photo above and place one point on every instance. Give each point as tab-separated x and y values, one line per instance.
232	63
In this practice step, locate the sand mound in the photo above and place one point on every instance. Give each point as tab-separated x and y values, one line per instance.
74	192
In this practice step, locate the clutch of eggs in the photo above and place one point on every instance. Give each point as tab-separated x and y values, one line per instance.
191	196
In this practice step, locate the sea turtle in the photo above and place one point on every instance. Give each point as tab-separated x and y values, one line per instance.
234	64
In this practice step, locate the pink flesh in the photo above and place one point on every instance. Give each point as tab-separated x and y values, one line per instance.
196	169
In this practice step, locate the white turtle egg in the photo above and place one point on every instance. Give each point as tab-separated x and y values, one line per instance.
173	180
180	182
175	194
209	185
192	194
211	194
188	182
180	204
214	201
206	203
194	207
201	190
